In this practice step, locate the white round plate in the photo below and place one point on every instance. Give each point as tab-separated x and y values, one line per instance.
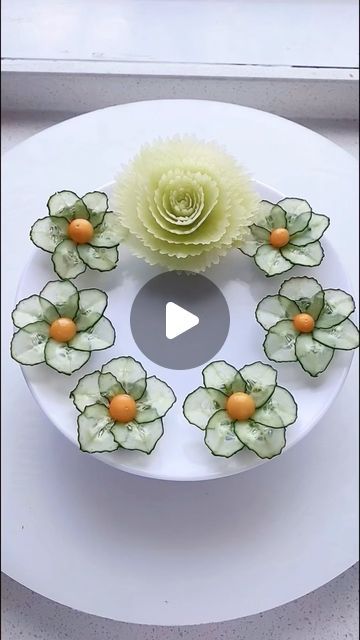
147	551
181	453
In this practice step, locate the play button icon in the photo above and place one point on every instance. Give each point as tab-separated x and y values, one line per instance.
179	321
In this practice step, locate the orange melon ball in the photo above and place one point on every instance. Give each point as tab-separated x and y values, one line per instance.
62	330
80	231
122	408
240	406
304	322
279	238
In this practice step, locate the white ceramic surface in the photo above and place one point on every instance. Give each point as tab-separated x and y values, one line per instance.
174	553
181	453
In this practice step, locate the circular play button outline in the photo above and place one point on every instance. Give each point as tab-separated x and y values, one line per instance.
178	320
164	310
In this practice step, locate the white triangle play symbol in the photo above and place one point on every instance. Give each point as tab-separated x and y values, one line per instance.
178	320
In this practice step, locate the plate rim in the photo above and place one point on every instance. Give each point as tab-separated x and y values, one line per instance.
318	573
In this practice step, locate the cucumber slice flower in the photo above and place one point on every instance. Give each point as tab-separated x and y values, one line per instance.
61	326
306	323
285	234
120	407
79	233
240	409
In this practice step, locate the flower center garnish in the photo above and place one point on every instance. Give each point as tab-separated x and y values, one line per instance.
304	322
240	406
62	330
122	408
279	238
80	231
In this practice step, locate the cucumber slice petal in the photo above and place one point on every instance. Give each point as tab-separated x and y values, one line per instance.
33	309
96	203
279	344
48	232
28	344
138	437
270	260
277	217
94	430
87	391
260	381
294	206
220	436
272	309
262	212
222	376
316	305
249	246
130	374
266	442
259	233
109	232
155	402
64	296
298	214
298	224
200	405
338	305
306	292
109	386
67	261
270	216
313	356
279	411
100	336
299	288
310	255
92	304
257	237
99	258
66	204
344	336
64	359
314	231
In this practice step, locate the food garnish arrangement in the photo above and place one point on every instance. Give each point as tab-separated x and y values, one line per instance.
182	204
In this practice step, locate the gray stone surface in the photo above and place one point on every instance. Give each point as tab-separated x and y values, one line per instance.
329	613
